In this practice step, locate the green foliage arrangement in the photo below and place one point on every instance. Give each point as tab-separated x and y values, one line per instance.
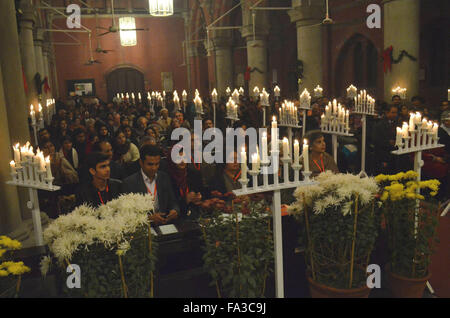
341	226
411	222
238	246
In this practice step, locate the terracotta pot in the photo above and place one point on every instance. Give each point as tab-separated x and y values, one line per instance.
404	287
321	291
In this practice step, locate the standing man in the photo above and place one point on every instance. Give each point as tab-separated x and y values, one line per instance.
157	183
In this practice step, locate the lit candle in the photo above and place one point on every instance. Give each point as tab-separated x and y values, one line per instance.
13	166
214	96
277	91
351	91
264	98
184	95
405	130
418	118
296	152
256	91
318	91
236	96
274	134
33	115
243	164
399	141
228	91
264	147
435	131
347	120
16	153
305	100
306	155
255	162
285	148
241	91
412	122
48	168
198	104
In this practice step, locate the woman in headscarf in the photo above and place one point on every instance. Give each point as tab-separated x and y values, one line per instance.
319	160
124	150
187	185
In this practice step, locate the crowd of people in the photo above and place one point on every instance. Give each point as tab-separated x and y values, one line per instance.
100	150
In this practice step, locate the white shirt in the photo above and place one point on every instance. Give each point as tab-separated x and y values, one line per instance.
151	186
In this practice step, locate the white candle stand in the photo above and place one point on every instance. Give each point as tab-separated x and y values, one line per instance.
28	175
290	134
276	187
363	140
419	140
335	130
232	120
199	115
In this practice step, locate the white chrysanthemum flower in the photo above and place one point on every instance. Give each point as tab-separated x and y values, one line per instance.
45	264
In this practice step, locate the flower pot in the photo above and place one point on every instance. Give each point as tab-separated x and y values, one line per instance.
321	291
404	287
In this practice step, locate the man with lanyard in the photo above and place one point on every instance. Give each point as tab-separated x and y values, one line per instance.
101	189
156	183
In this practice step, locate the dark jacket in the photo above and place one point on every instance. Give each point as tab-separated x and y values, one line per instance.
88	194
194	183
166	199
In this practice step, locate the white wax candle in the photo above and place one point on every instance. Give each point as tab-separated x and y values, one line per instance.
285	148
256	91
243	164
412	122
48	168
296	152
228	91
398	141
214	96
277	91
17	153
13	166
274	134
264	146
405	130
255	162
435	131
305	155
33	115
347	120
184	95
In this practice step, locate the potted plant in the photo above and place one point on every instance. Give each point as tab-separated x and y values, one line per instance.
112	245
411	220
238	245
10	272
340	228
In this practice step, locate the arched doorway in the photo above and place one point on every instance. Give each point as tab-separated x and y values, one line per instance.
125	80
357	64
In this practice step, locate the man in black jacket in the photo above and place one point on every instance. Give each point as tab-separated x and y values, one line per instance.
101	189
157	183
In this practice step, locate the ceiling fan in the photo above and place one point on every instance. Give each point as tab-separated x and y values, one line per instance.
114	28
99	48
91	60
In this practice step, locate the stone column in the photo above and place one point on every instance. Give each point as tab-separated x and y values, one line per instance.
308	15
26	23
221	47
256	37
16	104
38	44
10	217
401	30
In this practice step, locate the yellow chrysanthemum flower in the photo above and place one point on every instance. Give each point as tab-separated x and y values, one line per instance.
381	178
384	196
2	251
3	273
9	243
433	193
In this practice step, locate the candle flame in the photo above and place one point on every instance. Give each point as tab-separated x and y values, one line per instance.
305	142
47	159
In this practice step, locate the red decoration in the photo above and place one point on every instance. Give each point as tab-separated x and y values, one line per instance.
247	74
46	86
387	57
